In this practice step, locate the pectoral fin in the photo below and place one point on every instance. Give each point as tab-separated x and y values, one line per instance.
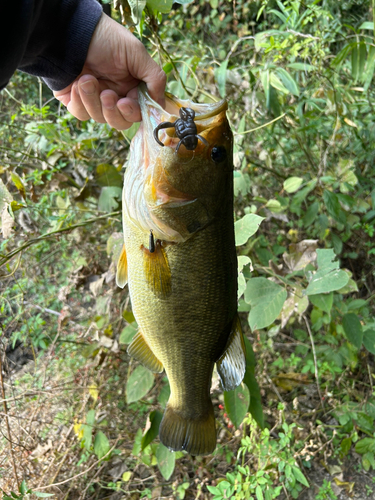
140	350
157	271
122	269
231	365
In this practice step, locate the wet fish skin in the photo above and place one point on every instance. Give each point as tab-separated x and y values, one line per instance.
184	294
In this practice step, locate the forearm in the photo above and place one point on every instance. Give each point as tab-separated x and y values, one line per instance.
48	38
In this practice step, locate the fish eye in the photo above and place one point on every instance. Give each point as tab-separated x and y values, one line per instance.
218	154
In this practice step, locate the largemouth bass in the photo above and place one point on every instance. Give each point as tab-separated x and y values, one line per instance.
180	263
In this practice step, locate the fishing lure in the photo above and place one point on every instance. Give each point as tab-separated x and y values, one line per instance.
186	130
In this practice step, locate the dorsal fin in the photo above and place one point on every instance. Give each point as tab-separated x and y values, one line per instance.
156	268
122	269
231	365
140	350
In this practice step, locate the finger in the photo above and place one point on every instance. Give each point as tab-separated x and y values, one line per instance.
129	109
156	80
75	105
145	68
111	112
64	95
89	92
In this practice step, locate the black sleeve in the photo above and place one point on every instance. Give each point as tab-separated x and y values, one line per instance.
47	38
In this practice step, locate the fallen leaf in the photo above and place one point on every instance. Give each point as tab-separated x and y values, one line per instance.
7	222
300	254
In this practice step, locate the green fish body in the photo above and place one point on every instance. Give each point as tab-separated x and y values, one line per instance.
180	263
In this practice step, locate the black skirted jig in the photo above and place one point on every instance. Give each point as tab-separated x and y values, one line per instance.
185	128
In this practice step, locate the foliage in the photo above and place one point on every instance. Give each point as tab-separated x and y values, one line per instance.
299	81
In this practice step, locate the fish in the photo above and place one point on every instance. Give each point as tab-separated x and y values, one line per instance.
179	261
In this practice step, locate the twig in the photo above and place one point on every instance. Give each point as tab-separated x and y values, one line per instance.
89	483
315	361
7	423
33	241
323	162
370	377
44	309
274	388
302	35
261	126
83	472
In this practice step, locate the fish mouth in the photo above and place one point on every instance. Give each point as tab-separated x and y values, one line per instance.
208	116
160	186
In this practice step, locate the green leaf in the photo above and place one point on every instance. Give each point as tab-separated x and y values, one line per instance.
136	8
353	329
163	6
41	494
301	66
166	461
128	316
292	184
23	487
277	84
369	340
137	443
365	445
345	446
128	333
274	206
101	445
155	418
237	404
108	199
259	493
289	82
221	77
333	206
164	394
311	214
370	67
367	25
301	195
300	477
246	227
266	299
362	61
255	407
328	277
19	184
131	131
322	301
138	384
355	62
107	175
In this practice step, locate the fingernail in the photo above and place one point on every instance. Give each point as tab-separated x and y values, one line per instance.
88	87
127	111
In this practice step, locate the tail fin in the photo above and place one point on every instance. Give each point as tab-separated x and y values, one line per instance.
196	436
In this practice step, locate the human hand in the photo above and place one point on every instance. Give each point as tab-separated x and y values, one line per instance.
106	89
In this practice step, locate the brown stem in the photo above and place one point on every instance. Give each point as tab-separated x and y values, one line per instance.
5	258
7	424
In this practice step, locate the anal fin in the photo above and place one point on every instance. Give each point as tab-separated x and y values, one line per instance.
157	271
140	350
231	365
122	269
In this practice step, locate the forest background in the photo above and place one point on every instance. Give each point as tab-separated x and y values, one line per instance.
79	419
